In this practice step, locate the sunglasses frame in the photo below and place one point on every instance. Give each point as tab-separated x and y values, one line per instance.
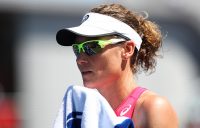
89	51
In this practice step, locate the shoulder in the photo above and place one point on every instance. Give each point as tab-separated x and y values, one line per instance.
155	111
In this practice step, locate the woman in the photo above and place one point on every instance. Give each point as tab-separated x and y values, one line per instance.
112	44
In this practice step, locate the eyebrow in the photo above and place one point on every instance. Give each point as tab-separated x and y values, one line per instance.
83	39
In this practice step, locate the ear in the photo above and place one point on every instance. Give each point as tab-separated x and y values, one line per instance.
128	49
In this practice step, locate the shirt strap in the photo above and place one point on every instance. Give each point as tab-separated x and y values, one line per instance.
126	108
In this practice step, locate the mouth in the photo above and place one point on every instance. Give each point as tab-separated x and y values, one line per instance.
86	72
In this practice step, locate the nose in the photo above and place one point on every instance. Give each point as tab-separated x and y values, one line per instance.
82	59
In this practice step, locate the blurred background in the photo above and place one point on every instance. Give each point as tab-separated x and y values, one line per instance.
35	71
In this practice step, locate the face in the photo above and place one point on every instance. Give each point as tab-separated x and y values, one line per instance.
101	69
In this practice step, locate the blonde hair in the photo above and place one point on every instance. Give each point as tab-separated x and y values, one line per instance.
149	32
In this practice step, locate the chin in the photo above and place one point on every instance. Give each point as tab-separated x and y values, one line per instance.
89	85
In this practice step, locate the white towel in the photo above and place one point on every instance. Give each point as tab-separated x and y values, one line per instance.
87	108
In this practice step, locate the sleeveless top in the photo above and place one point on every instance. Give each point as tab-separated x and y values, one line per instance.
126	108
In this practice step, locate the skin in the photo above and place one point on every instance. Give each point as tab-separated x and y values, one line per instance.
109	71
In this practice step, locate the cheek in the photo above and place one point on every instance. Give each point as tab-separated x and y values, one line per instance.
110	63
107	69
114	61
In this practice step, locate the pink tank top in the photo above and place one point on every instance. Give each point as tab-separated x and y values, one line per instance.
126	108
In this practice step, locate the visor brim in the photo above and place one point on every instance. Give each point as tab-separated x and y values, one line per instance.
67	37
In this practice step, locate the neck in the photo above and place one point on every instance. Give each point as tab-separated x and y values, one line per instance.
119	89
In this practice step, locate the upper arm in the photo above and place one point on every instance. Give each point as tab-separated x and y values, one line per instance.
156	112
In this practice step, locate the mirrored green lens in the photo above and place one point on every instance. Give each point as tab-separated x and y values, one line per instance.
76	49
92	47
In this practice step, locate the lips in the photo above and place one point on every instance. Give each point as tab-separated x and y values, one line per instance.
86	72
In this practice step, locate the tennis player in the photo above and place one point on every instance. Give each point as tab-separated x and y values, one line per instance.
112	45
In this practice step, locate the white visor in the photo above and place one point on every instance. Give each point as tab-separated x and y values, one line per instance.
96	25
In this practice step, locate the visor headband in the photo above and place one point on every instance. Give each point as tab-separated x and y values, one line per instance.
111	25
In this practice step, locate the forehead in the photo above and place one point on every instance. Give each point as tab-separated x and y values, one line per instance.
83	38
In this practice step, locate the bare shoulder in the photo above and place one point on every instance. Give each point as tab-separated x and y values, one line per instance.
153	111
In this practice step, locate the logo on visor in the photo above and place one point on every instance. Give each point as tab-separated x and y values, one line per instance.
85	18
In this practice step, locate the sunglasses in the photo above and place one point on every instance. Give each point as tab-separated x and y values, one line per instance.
93	47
